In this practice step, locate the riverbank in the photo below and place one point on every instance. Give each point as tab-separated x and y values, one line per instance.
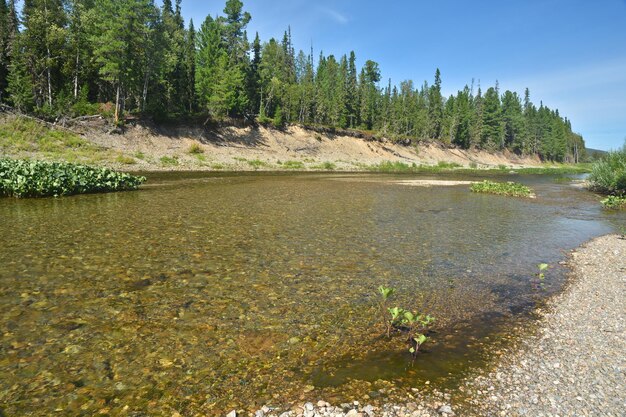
151	147
572	362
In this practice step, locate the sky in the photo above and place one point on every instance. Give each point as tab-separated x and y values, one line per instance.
571	54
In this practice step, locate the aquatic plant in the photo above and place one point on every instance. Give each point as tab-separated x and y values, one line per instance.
614	202
512	189
24	178
538	277
385	293
412	324
542	267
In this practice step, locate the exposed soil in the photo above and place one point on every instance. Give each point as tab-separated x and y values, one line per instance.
152	147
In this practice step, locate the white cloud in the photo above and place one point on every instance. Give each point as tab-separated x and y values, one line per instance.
335	15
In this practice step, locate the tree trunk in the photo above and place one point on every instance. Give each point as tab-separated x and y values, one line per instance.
117	104
76	73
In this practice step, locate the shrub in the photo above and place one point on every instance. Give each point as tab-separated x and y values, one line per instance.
512	189
608	175
195	149
23	178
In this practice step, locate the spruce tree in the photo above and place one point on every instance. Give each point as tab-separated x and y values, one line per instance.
435	107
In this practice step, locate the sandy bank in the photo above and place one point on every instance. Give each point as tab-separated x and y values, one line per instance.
260	148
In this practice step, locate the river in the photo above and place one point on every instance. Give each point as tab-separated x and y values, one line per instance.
206	292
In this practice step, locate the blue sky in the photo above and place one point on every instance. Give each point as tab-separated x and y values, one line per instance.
570	53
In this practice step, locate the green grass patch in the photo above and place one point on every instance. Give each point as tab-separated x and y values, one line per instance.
21	137
169	160
395	166
448	165
126	160
195	149
24	178
512	189
556	169
257	163
325	166
293	165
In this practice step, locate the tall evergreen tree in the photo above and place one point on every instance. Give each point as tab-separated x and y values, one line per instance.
435	107
491	134
4	46
43	40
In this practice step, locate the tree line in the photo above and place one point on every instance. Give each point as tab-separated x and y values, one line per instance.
60	57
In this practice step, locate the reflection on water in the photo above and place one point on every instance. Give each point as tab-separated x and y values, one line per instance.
202	293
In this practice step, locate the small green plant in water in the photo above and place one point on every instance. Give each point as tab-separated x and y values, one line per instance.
412	324
385	293
538	281
512	189
614	202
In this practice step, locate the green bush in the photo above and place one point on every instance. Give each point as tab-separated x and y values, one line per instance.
608	175
512	189
23	178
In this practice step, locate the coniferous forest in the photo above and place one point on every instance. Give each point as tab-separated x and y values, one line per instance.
122	57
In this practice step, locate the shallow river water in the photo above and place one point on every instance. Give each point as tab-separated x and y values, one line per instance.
206	292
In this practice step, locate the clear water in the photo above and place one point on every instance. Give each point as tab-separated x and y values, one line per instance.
202	293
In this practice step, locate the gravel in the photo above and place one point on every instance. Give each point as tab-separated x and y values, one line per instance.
574	364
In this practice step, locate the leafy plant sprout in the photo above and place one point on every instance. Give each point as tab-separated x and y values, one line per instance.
385	293
414	325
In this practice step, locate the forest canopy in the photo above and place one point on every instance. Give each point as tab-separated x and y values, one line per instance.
117	57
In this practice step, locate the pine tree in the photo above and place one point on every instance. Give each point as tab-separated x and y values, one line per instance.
369	93
435	107
515	136
43	40
121	42
190	69
491	135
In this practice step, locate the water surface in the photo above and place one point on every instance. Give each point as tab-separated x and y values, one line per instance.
204	292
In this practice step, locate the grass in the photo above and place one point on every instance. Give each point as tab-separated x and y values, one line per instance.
257	163
293	165
126	160
559	169
195	149
512	189
25	178
448	165
169	160
22	137
326	166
